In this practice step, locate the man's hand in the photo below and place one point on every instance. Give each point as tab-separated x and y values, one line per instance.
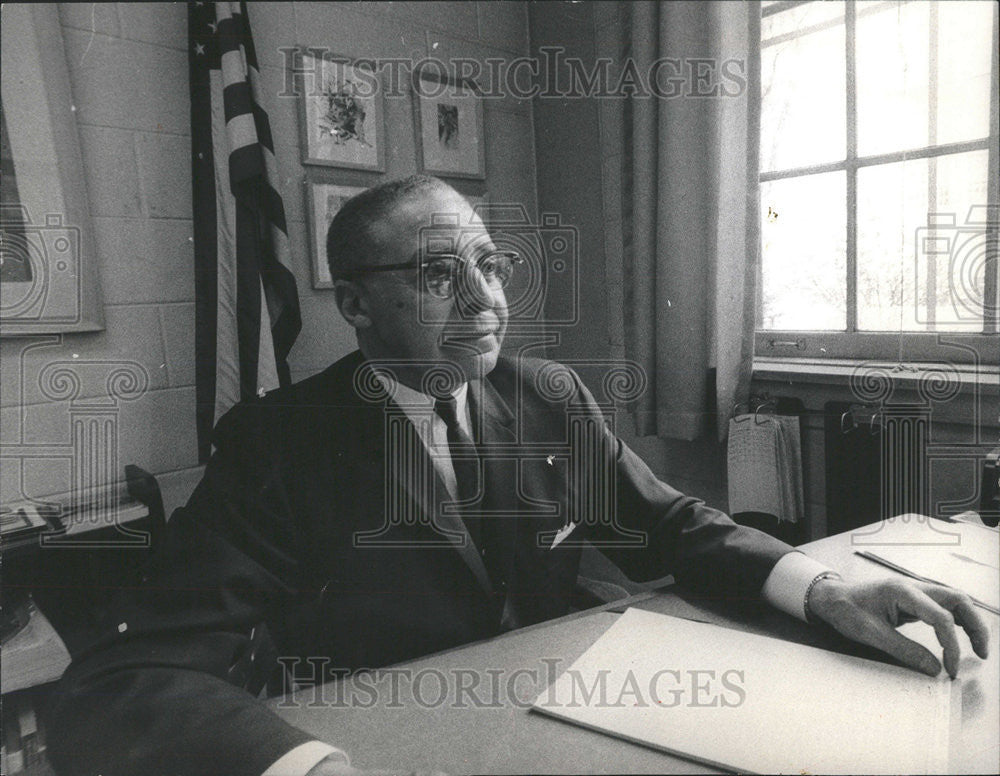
870	613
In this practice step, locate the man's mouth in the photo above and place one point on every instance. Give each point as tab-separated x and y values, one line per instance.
477	339
469	336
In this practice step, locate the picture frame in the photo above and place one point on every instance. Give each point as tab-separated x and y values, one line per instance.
49	278
324	199
341	111
448	120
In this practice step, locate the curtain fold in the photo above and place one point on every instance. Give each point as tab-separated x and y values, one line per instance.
690	221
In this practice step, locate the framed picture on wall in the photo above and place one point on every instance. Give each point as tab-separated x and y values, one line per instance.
341	114
449	125
324	200
49	275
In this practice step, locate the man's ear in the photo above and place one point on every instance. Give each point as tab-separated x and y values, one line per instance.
353	303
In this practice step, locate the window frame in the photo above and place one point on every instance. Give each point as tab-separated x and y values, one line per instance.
964	347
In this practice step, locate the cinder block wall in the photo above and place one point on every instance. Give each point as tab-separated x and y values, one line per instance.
128	71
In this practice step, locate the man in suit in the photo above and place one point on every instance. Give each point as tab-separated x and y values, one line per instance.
421	493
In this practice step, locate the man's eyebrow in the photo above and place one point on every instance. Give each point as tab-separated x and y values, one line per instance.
481	246
464	248
482	253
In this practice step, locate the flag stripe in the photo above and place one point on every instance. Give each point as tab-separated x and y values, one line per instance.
267	372
263	128
227	365
273	208
248	44
238	101
243	141
228	31
244	164
234	66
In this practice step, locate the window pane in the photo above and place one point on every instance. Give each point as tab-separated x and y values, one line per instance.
923	74
800	17
892	63
921	262
803	264
803	114
965	40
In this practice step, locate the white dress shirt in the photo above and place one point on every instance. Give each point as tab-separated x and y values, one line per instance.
419	408
784	589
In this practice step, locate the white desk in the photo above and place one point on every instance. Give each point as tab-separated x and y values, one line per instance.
398	731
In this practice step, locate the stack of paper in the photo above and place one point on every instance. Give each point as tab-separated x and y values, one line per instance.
750	703
765	466
32	656
972	566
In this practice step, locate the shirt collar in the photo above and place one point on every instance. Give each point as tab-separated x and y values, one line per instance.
406	397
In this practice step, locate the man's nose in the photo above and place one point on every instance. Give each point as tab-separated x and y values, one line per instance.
473	294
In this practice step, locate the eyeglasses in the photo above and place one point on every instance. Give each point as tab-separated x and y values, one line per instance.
441	272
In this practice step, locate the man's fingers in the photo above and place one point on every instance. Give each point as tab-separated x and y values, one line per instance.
909	653
961	606
917	602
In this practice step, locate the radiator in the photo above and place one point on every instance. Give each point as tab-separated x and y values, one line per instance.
876	462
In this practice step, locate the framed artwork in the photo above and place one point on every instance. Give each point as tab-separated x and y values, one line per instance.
341	114
324	200
449	126
49	280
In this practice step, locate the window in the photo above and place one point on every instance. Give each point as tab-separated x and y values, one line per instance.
879	214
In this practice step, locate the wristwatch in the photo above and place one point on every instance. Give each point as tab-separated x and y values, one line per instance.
805	603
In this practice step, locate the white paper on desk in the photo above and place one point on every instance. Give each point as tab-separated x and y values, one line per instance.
973	567
797	710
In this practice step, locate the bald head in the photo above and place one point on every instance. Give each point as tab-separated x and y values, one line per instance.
396	315
357	233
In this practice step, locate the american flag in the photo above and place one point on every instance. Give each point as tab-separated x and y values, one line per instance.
246	302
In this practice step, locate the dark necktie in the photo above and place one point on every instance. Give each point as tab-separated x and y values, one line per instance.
465	462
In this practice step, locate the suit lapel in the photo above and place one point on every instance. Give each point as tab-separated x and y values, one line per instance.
394	462
411	482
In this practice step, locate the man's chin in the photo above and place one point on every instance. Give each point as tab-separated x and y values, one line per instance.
487	361
475	361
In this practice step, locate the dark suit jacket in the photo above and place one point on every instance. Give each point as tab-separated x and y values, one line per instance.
320	514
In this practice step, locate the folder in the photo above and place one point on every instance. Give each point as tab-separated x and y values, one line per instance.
750	703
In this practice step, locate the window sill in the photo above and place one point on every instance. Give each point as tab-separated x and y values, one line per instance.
839	371
910	347
962	394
